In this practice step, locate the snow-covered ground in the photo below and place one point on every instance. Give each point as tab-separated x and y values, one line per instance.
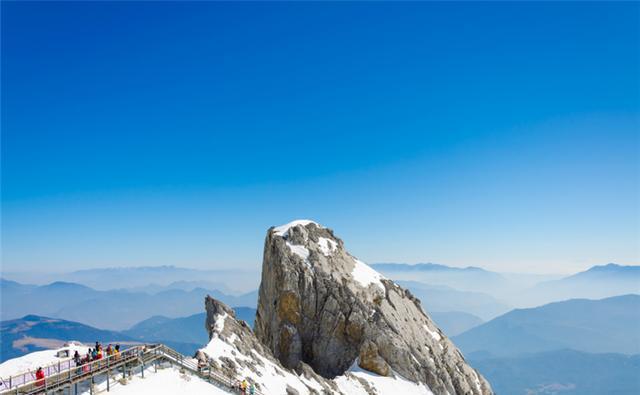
167	381
384	385
36	359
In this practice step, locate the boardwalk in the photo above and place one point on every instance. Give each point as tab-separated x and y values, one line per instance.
67	378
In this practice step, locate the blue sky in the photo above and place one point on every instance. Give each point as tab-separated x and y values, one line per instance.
503	135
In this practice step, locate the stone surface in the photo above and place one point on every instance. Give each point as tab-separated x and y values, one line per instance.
320	306
235	352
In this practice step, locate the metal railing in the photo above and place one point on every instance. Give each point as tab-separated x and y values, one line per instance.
206	372
66	372
68	366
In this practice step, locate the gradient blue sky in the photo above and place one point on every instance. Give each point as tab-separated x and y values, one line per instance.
502	135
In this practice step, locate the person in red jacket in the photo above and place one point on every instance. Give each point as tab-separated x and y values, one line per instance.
39	377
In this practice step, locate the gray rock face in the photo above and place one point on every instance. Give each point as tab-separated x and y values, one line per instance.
246	355
320	306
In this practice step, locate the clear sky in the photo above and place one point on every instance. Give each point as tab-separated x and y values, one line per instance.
502	135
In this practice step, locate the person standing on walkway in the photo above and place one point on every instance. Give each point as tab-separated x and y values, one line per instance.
40	377
244	386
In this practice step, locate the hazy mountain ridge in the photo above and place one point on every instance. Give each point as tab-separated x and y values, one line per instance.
32	333
185	329
595	326
455	322
110	278
523	290
562	372
417	267
466	279
443	299
537	350
182	285
595	283
118	309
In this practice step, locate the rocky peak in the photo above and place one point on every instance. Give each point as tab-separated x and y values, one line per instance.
321	251
319	305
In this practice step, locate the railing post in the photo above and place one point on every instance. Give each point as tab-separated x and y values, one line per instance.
108	371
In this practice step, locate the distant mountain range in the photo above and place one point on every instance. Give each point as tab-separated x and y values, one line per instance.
189	329
595	283
469	279
577	347
444	299
522	290
114	309
227	281
562	372
421	267
455	322
33	333
610	325
181	285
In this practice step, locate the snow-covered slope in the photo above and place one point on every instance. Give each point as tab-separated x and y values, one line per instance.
168	381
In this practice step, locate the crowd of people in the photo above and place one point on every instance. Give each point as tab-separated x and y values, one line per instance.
97	353
81	362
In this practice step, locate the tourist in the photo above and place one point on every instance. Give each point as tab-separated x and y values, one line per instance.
40	381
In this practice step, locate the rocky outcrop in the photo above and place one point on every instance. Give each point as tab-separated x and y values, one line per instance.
235	352
322	307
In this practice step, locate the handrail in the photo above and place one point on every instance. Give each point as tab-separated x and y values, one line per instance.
52	369
227	381
72	372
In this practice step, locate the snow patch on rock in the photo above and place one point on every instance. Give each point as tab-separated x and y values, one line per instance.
327	246
365	275
436	336
283	229
300	251
220	323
